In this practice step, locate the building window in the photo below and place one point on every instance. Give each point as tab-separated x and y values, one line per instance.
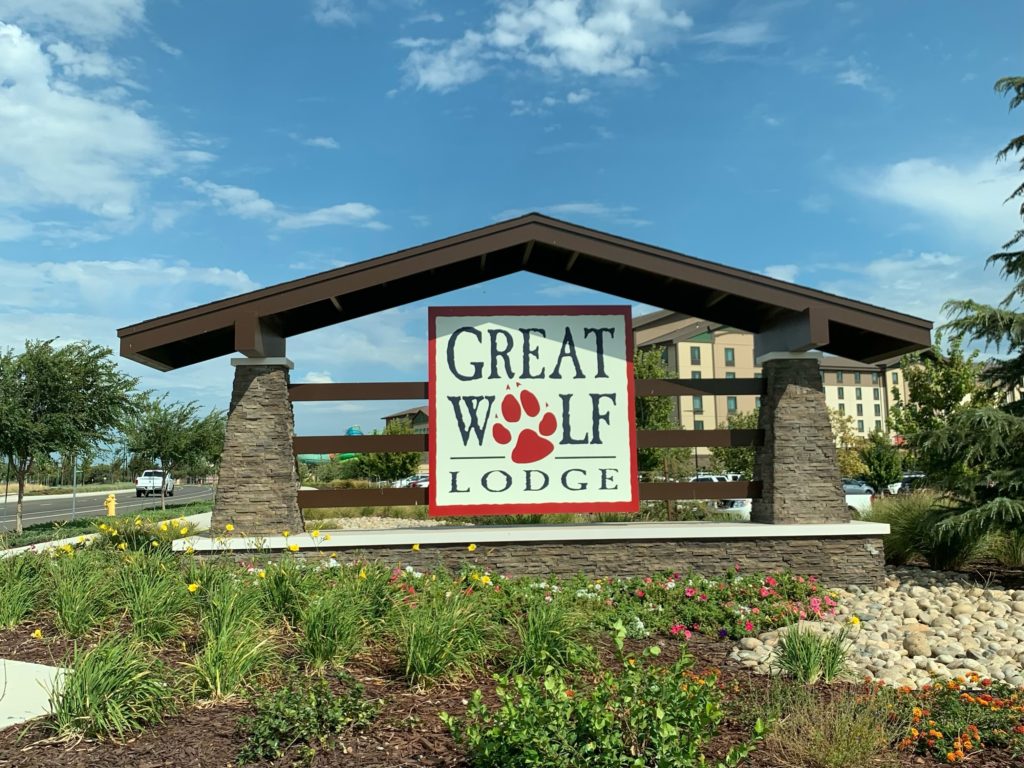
860	425
842	409
730	404
839	377
695	375
878	425
694	355
757	374
874	377
757	402
860	409
698	404
730	375
730	356
875	393
895	378
856	393
842	393
698	425
878	410
856	378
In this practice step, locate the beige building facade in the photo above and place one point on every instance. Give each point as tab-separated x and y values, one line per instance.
696	349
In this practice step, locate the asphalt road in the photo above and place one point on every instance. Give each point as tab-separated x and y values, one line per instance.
41	509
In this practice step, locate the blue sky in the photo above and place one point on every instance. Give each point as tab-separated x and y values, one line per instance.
158	155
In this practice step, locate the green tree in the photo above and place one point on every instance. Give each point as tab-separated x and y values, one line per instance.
54	399
389	466
736	459
988	442
656	413
175	436
848	444
883	462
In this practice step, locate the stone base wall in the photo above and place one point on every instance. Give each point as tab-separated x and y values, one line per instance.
258	485
839	561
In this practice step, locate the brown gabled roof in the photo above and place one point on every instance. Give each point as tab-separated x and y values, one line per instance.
534	243
406	412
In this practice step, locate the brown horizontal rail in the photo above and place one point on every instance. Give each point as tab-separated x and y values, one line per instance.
740	489
418	390
393	497
368	390
666	438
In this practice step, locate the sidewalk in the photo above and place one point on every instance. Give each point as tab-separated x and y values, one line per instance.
12	498
25	690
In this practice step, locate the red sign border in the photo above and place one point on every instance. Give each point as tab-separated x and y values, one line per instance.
463	510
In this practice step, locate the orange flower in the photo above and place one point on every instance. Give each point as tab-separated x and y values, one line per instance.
570	693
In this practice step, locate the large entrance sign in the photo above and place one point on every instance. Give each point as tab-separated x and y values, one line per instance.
531	410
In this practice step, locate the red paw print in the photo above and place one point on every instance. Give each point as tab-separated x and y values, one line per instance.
530	446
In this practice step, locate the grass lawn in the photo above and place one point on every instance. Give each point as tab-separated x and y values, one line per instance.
303	662
66	529
34	489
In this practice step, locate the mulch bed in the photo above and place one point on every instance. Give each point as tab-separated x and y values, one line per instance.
407	732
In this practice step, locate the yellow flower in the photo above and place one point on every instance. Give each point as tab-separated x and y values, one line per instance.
113	532
38	634
362	573
415	547
316	532
154	543
485	579
193	587
189	550
123	545
854	620
293	547
471	547
183	531
81	539
327	537
261	573
229	527
286	533
163	526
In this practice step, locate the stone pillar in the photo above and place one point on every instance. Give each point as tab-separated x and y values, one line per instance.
797	464
258	484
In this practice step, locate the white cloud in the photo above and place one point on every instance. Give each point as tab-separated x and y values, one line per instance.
317	377
816	203
196	156
578	97
855	76
167	48
771	121
329	12
75	63
436	18
62	145
249	204
785	272
968	198
324	142
357	214
14	228
613	37
742	34
102	19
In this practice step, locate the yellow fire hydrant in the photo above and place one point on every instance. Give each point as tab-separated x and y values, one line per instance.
111	505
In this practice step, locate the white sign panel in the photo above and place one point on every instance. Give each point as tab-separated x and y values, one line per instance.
531	410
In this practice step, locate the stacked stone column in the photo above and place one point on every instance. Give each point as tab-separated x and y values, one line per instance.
797	463
258	483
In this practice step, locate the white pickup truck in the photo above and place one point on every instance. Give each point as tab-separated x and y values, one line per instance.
149	482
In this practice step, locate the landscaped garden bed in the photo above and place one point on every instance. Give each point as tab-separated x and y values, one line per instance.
181	661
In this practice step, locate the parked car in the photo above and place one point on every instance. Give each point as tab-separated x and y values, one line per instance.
707	479
859	496
150	482
410	481
422	482
912	481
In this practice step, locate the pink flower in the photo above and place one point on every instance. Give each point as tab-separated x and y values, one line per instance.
639	593
829	601
749	626
771	582
737	567
703	598
765	592
648	579
803	614
800	579
690	591
675	629
687	634
755	609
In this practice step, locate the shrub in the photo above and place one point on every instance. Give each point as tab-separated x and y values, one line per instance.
547	634
815	731
154	596
439	636
332	627
915	530
113	690
951	719
809	655
306	714
641	715
19	589
236	650
79	589
286	588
